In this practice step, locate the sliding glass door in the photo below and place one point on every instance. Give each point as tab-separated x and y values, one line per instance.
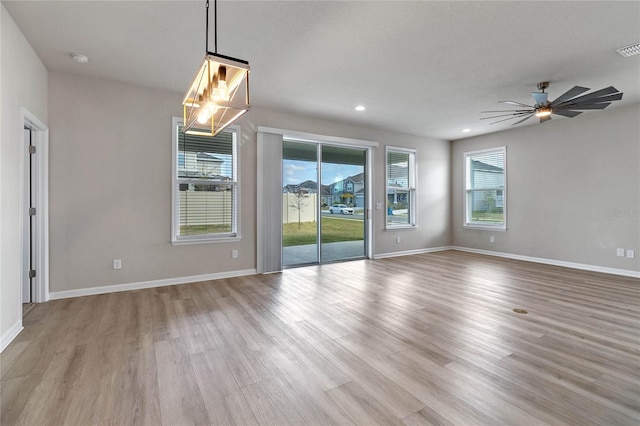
324	203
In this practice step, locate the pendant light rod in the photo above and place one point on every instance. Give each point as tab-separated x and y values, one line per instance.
215	27
206	38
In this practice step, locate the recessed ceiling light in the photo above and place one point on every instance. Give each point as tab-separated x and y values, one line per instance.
466	130
360	108
79	58
630	50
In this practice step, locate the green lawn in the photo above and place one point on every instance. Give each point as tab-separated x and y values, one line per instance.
204	229
482	216
333	230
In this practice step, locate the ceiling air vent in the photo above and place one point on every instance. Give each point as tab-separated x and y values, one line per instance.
630	50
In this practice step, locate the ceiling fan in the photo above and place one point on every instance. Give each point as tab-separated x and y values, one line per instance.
567	104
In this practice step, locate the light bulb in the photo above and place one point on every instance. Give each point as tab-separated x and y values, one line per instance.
206	111
223	90
543	111
203	117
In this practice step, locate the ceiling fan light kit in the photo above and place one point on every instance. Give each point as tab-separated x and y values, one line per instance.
219	93
569	104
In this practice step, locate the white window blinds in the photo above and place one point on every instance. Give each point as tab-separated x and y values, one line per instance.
485	187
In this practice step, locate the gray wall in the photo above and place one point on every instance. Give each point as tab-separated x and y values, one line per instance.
573	189
111	142
23	82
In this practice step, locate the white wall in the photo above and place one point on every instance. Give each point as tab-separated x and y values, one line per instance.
23	85
573	190
110	142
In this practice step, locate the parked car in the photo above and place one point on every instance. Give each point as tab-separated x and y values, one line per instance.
340	208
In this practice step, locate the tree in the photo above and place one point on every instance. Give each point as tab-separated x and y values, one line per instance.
347	197
300	201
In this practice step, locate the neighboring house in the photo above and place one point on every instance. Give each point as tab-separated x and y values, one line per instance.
397	185
347	190
309	187
201	165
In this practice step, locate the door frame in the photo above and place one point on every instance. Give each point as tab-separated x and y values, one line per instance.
368	220
40	187
269	186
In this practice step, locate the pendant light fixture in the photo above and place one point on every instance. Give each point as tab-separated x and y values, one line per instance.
219	93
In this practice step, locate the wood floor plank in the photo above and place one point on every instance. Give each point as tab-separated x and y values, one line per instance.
422	339
270	404
312	402
181	402
137	391
361	407
223	398
49	403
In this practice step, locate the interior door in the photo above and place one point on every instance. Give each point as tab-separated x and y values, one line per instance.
27	231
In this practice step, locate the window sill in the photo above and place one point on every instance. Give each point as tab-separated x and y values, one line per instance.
483	227
400	227
189	241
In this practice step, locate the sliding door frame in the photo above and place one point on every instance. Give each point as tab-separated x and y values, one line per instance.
266	230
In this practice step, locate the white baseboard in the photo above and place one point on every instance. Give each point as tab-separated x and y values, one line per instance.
10	335
147	284
583	266
410	252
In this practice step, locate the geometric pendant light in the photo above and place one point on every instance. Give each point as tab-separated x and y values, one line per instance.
219	93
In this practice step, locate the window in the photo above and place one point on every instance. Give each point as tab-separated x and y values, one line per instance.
485	198
401	187
205	186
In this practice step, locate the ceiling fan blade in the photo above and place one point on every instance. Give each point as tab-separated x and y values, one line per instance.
580	104
566	113
508	110
610	98
515	103
575	91
506	115
523	120
593	95
598	105
510	118
545	118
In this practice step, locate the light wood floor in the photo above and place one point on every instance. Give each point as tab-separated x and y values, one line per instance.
424	339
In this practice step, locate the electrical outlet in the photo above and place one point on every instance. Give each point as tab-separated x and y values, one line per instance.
378	206
117	263
492	239
620	252
234	254
631	254
397	240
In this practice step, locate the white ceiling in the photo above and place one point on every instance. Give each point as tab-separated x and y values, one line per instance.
423	67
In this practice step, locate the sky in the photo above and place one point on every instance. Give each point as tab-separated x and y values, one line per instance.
295	172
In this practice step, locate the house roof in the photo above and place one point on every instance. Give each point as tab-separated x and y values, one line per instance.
309	185
203	156
421	67
484	167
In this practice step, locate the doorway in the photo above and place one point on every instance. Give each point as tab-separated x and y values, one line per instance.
35	213
28	231
324	210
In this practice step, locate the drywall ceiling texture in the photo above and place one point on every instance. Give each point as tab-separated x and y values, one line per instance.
573	190
110	186
421	67
24	85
